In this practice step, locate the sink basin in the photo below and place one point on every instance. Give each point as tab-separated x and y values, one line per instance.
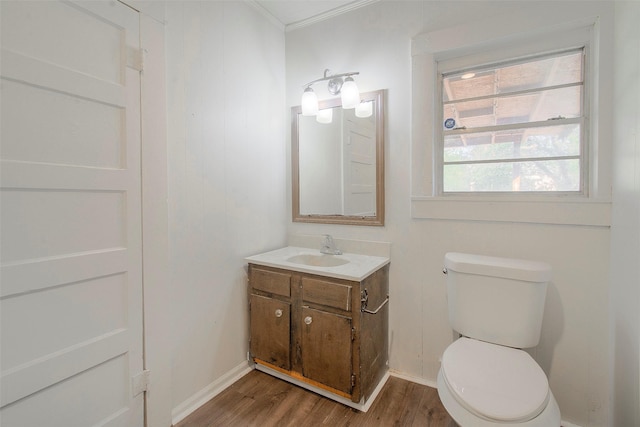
318	260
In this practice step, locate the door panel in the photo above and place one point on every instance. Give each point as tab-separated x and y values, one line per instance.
77	401
70	267
52	314
71	130
27	222
326	348
359	157
271	331
83	37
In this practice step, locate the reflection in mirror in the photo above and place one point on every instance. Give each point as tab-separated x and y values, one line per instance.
338	163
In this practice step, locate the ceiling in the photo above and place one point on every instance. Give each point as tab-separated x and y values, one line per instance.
297	13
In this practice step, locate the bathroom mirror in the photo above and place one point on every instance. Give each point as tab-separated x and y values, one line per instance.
337	163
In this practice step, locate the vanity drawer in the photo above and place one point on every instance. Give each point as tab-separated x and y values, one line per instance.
271	281
325	293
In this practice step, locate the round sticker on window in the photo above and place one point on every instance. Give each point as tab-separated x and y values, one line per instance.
449	123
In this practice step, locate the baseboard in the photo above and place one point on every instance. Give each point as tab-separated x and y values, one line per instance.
187	407
417	380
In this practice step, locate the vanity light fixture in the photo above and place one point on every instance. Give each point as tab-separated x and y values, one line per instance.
342	84
364	109
325	115
350	95
309	102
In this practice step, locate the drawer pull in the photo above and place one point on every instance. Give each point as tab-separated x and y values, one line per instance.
308	320
278	313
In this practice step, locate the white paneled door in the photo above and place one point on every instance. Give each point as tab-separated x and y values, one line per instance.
71	285
359	165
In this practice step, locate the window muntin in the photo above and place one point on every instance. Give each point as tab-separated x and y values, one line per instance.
515	127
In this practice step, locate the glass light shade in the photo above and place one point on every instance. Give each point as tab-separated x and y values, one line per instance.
350	95
309	102
325	116
364	109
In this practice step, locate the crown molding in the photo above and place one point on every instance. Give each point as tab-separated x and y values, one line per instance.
308	21
264	12
328	14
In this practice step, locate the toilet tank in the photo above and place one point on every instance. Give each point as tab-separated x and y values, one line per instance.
498	300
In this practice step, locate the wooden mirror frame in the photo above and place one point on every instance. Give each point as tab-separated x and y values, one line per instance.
378	219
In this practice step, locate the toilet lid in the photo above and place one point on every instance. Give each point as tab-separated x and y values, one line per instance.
495	382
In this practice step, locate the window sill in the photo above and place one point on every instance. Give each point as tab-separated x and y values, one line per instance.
560	212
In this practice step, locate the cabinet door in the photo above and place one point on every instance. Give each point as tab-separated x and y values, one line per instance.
326	348
270	331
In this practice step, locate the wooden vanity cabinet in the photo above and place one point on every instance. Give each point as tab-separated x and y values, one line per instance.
313	330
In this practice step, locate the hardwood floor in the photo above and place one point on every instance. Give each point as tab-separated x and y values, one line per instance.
258	399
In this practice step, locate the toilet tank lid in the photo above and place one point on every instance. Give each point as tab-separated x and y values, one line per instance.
508	268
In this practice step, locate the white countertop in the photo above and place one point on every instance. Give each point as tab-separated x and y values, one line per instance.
357	269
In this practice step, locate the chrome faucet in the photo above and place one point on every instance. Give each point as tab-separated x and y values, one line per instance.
329	246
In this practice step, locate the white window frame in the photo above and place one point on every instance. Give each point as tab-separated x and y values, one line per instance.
445	67
512	36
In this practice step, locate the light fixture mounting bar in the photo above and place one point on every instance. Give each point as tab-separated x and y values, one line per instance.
334	76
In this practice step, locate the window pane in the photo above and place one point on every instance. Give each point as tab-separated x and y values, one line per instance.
529	74
530	107
552	141
542	73
535	176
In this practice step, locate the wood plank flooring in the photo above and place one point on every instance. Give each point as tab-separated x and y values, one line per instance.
258	399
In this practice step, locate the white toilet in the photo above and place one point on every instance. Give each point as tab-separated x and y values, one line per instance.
496	305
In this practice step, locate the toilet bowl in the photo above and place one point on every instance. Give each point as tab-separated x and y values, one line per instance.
485	379
483	384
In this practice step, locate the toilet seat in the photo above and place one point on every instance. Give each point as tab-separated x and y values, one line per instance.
494	382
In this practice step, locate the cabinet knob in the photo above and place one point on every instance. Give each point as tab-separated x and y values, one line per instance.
278	313
308	320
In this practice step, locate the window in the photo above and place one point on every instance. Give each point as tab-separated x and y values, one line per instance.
513	38
514	126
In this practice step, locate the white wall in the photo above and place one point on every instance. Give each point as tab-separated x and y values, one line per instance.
376	41
625	233
226	179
